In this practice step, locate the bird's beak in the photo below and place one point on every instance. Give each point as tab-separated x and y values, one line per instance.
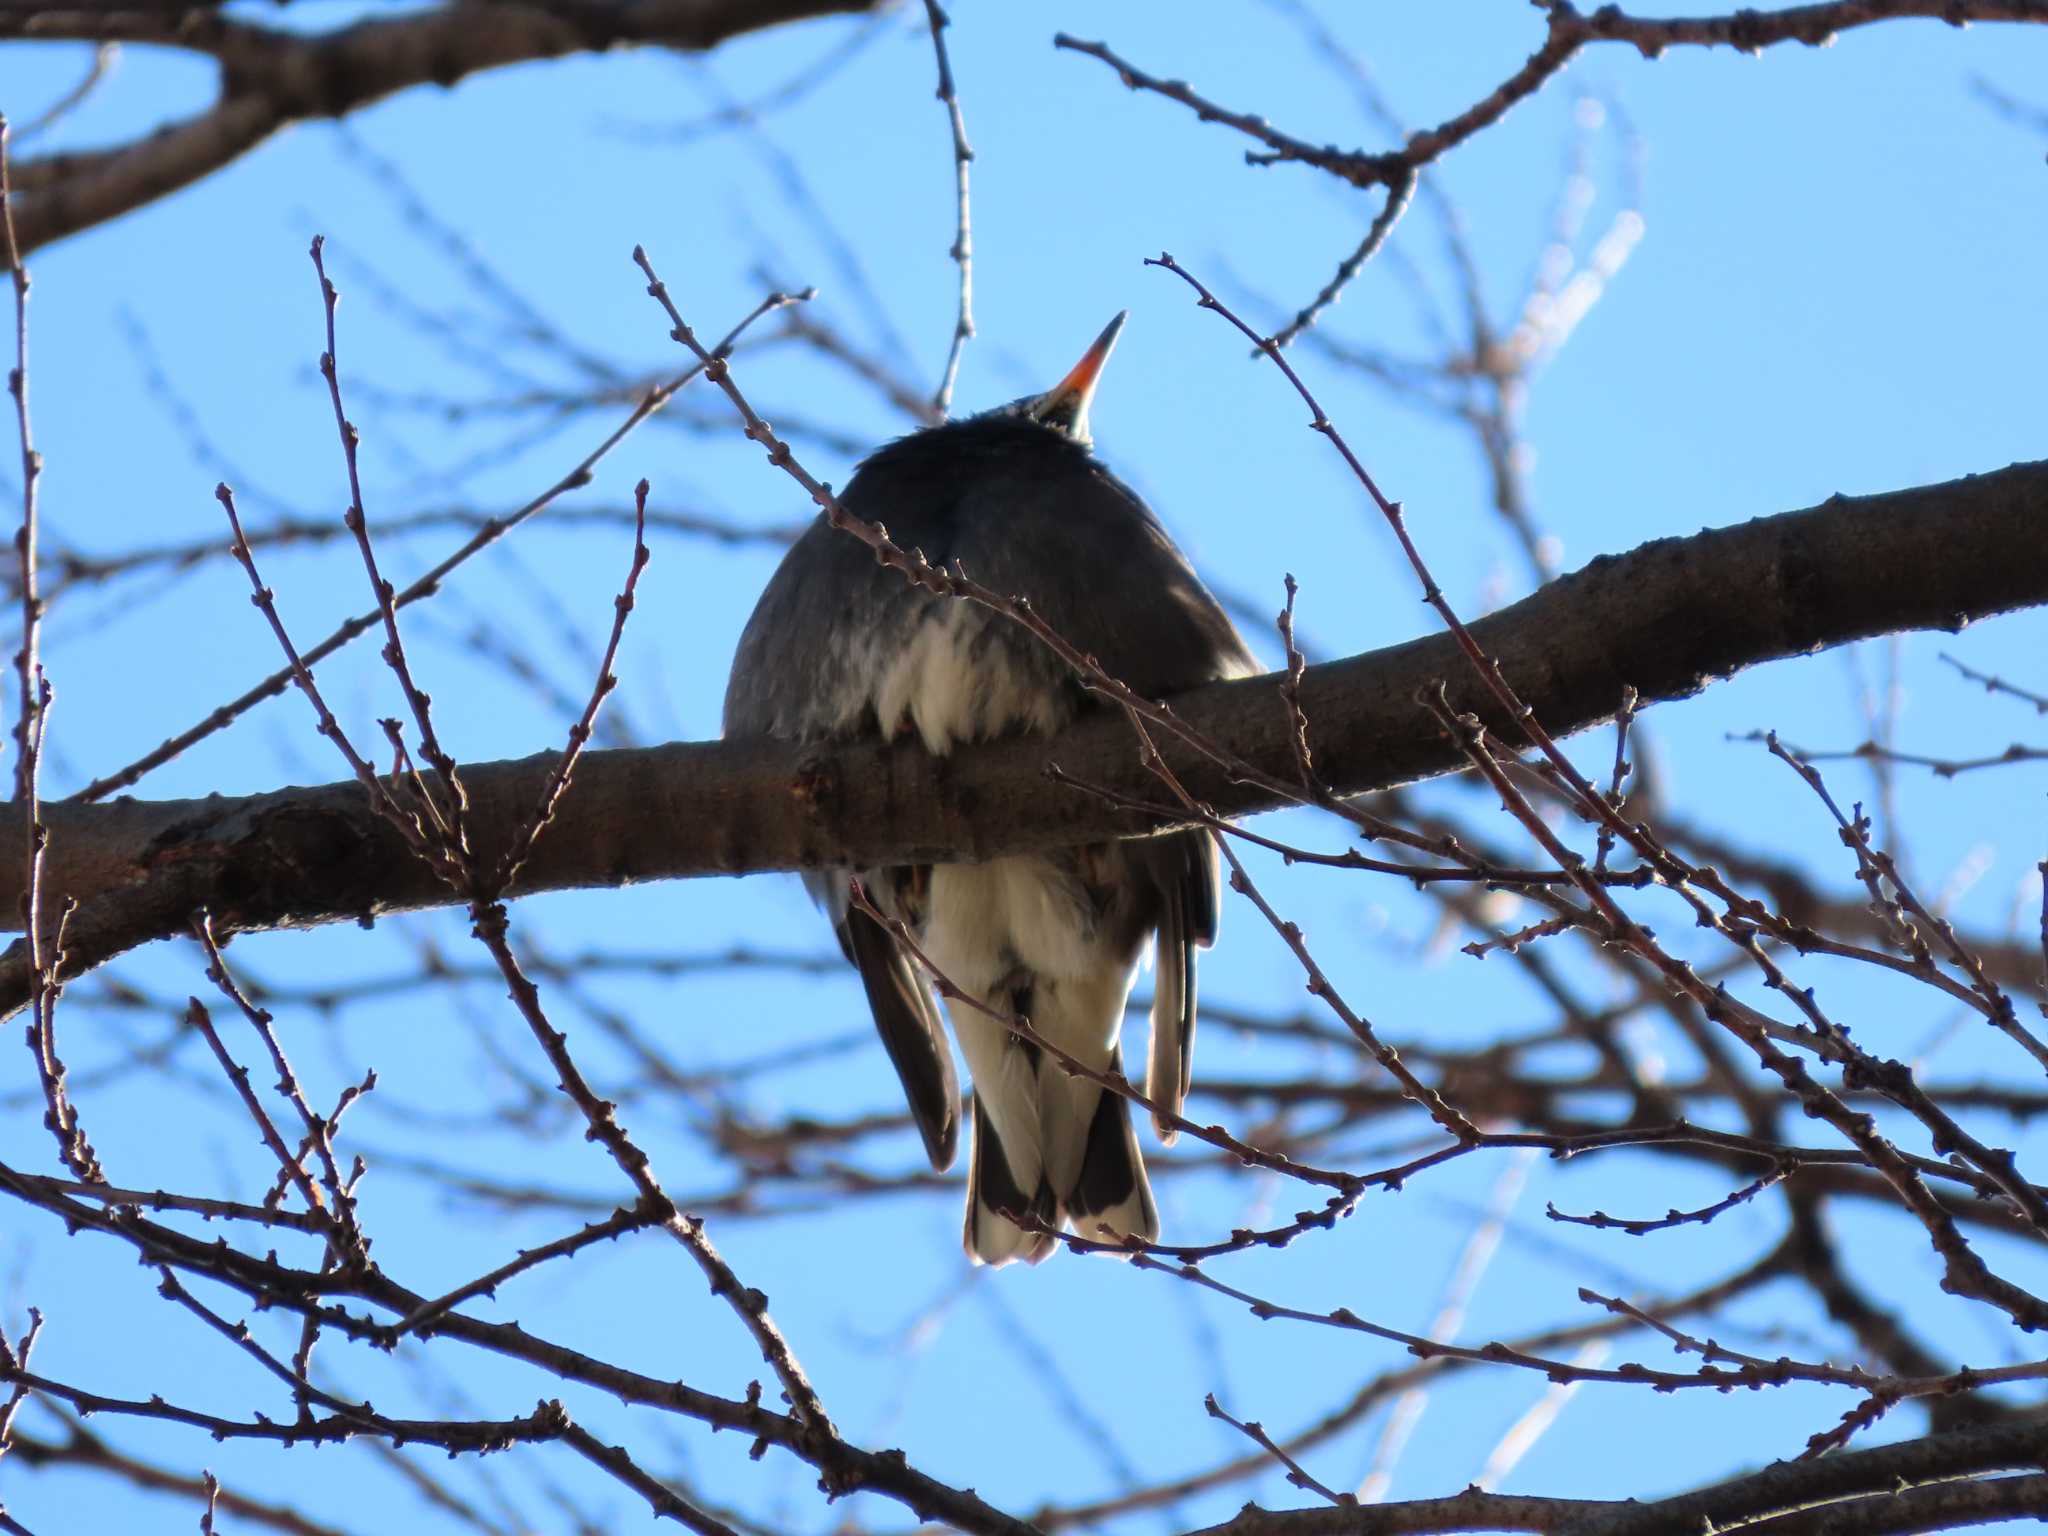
1064	407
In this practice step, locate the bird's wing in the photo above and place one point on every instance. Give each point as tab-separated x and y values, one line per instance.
1188	911
805	670
907	1018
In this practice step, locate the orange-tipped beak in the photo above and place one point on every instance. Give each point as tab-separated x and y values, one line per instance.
1065	405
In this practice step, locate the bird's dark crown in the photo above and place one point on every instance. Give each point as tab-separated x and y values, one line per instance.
1002	432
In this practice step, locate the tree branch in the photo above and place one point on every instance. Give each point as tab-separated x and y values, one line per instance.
1664	619
271	78
1567	31
81	1448
1795	1487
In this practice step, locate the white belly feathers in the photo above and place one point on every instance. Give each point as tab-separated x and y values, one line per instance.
988	920
937	686
950	685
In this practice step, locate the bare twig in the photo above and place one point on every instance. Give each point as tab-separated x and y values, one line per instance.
1675	1218
1994	684
237	1074
1603	844
1567	31
430	581
1889	891
348	1243
1399	191
406	819
455	845
421	1318
44	950
1297	1474
1290	695
14	1359
1940	767
963	240
579	733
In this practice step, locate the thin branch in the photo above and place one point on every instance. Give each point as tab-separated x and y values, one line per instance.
350	1247
1940	767
428	583
1616	798
272	1284
14	1358
579	734
963	240
1399	191
85	1450
421	1318
1993	684
43	952
237	1074
454	844
1297	1474
1567	31
69	568
1675	1218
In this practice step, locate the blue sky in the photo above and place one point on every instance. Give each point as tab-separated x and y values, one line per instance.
1837	289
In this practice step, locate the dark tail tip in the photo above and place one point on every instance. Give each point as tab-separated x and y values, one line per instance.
991	1236
1112	1189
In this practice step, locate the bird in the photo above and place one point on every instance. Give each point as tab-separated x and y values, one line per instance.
841	649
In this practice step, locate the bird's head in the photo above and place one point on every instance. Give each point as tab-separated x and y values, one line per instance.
1064	407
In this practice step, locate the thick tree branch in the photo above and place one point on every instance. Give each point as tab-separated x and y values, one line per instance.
1665	619
1915	1485
270	78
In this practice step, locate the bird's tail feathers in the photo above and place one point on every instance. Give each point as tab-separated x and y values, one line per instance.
992	1237
1171	1053
1051	1146
907	1018
1112	1190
